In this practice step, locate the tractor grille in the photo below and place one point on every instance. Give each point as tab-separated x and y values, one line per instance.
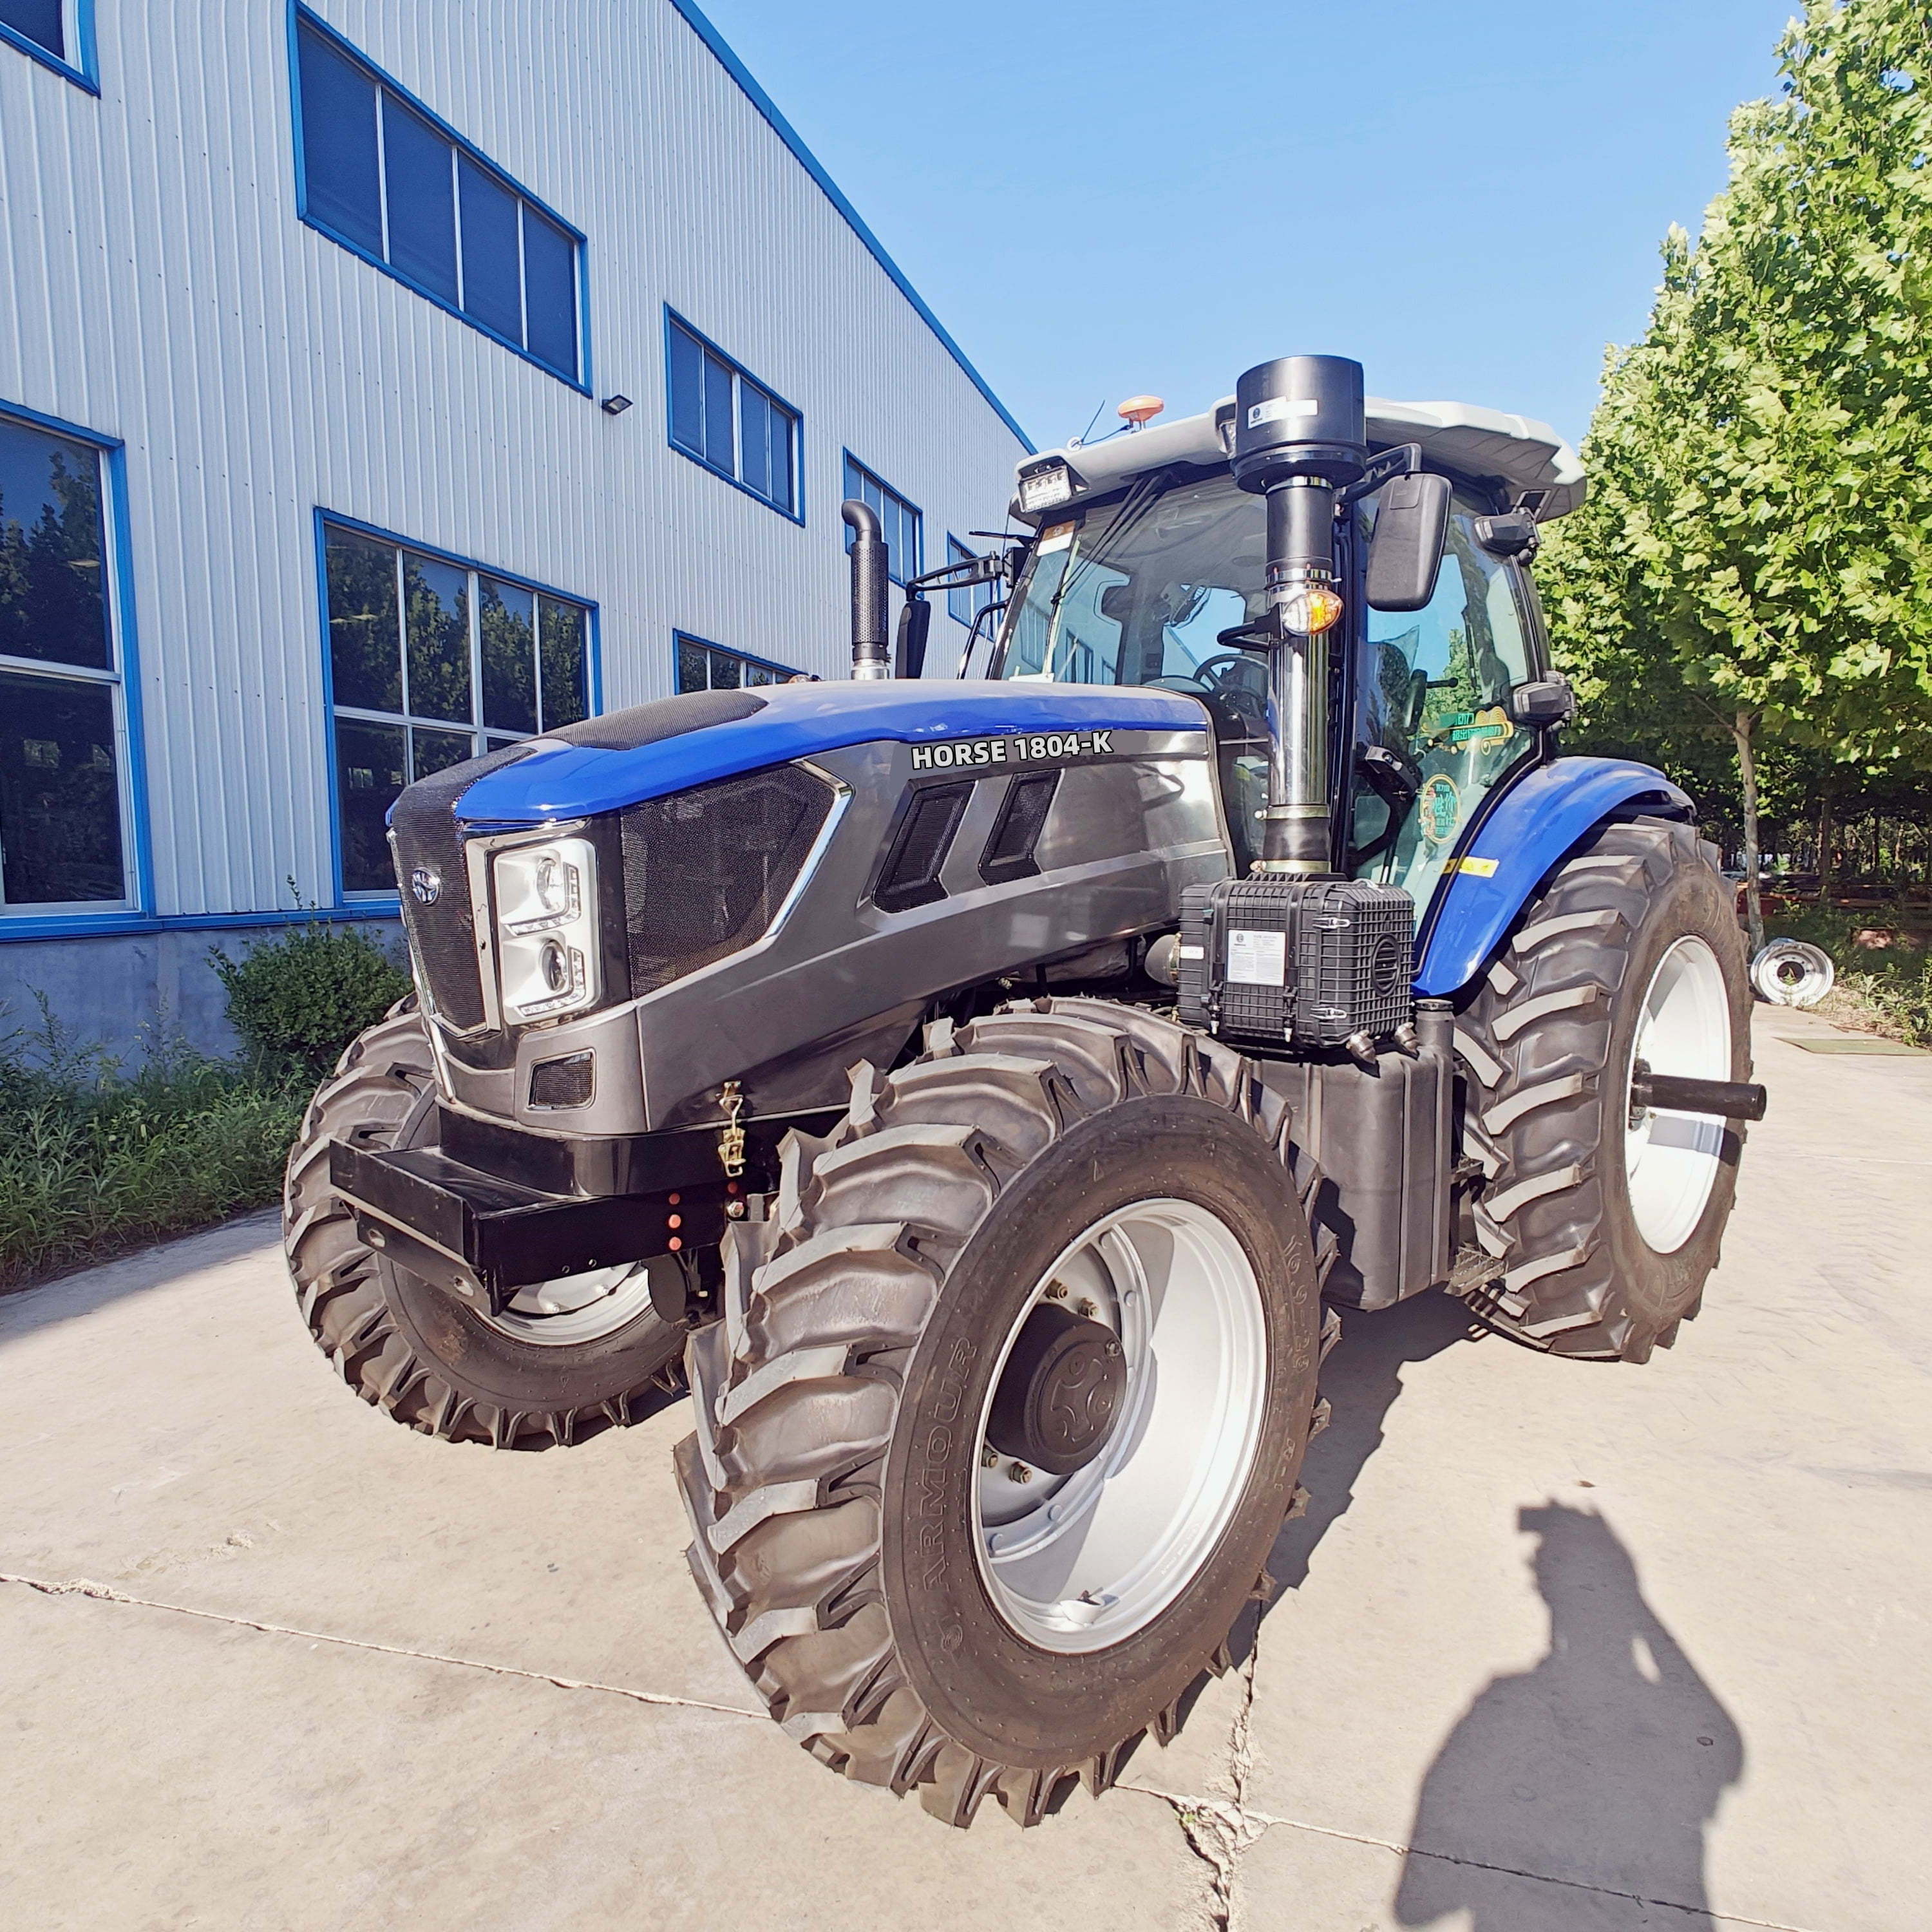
426	839
706	870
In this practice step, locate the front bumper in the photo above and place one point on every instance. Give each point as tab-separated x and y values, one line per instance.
483	1211
482	1238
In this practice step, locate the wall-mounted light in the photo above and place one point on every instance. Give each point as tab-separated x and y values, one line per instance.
615	406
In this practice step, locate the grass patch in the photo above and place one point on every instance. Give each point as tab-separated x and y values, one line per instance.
1884	961
94	1160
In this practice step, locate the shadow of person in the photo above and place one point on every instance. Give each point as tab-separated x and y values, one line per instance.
1360	1380
1600	1768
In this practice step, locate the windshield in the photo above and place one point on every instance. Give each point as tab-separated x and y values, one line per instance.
1138	592
1143	590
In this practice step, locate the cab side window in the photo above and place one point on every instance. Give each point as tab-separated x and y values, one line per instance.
1436	693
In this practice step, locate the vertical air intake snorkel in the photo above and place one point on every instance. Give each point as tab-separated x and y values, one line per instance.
869	577
1301	438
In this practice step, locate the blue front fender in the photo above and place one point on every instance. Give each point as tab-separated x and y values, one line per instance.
1529	829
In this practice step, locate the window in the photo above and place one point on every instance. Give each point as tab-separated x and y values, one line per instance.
63	764
432	661
703	667
729	421
1436	691
58	33
381	176
898	521
965	605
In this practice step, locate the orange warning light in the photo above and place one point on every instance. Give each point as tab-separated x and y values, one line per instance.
1140	409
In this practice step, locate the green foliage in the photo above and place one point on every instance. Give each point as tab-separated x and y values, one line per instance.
302	997
93	1160
1756	559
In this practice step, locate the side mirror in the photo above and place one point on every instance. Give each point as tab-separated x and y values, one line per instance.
915	626
1543	704
1411	524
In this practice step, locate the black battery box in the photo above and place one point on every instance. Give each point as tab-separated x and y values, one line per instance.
1270	963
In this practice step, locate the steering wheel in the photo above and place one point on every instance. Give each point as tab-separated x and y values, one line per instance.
1215	677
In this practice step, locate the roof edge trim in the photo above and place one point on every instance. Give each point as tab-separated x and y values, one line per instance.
721	49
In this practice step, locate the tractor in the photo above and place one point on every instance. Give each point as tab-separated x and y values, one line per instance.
985	1093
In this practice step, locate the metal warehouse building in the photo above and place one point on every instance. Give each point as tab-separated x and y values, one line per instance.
379	384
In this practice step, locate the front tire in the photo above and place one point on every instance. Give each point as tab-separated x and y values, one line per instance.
920	1608
562	1363
1607	1221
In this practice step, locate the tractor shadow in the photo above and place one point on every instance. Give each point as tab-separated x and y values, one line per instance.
1361	1380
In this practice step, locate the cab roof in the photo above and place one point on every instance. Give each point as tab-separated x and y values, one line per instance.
1516	451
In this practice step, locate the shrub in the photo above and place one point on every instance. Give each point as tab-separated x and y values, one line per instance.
93	1161
301	999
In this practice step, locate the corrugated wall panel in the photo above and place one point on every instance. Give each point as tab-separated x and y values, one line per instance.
156	284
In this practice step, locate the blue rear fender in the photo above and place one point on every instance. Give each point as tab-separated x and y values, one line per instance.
1514	846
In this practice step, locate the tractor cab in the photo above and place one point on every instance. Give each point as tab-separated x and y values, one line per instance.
1150	568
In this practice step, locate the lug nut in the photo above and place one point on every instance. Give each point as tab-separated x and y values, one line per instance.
989	1457
1018	1472
1084	1306
1056	1291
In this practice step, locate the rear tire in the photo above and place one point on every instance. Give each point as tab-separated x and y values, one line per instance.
410	1349
1606	1226
839	1479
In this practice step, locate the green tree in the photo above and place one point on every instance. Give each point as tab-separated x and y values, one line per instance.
1759	553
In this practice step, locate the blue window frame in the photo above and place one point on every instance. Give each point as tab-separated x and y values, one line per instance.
964	605
432	659
59	33
703	666
722	416
899	520
69	722
382	175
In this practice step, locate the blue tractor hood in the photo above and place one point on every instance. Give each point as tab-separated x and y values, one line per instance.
669	745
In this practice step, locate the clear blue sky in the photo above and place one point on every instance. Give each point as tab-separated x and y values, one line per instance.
1100	198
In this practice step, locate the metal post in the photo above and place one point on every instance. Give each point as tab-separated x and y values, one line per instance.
1295	827
1300	437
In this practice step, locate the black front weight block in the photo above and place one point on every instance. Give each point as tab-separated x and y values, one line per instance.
480	1238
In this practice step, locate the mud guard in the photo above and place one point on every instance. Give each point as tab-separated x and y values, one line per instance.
1513	845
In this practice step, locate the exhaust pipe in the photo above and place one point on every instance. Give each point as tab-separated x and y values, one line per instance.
869	578
1300	437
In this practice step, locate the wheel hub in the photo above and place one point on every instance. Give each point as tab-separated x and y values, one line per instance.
1157	1433
1060	1394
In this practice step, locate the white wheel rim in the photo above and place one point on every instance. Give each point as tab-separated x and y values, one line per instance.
1079	1562
1671	1159
575	1309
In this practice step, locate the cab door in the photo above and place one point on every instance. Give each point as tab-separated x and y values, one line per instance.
1435	688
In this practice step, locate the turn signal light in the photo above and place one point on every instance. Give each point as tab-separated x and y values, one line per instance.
1311	609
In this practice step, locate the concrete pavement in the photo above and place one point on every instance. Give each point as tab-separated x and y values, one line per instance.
1558	1646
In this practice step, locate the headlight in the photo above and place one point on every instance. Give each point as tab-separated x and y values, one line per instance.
1045	487
546	922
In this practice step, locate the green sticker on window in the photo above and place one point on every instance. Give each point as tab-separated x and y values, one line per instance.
1438	806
